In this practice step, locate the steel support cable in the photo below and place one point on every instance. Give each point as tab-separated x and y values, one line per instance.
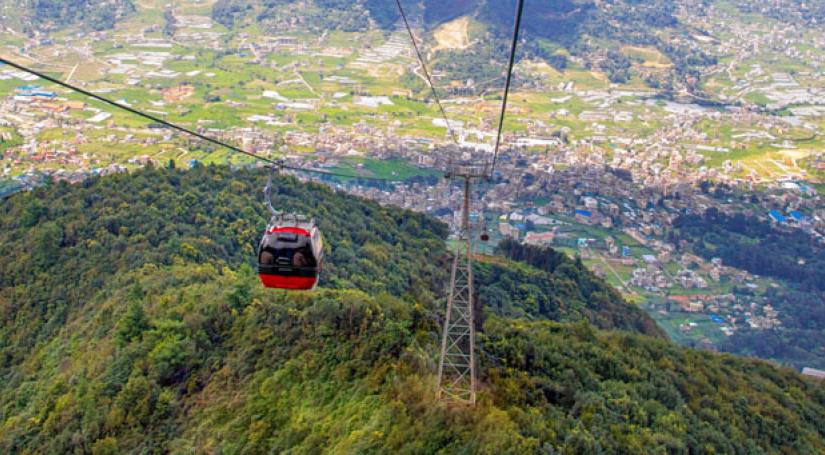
513	47
182	129
426	73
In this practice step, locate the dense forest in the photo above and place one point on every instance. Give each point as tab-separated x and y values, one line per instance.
131	321
755	245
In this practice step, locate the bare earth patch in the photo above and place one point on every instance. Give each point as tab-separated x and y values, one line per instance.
542	67
652	57
453	34
795	154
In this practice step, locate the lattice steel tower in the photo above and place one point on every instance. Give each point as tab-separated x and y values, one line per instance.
457	367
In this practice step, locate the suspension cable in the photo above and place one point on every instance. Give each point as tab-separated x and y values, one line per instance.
185	130
426	73
513	46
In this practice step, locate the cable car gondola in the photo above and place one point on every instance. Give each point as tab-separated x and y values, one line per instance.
291	252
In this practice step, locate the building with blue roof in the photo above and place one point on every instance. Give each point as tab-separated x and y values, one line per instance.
584	213
776	216
34	91
798	216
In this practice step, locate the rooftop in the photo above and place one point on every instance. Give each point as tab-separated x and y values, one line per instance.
819	374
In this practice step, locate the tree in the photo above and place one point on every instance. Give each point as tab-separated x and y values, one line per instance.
132	325
105	446
46	240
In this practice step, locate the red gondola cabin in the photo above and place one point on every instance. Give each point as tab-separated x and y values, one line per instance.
290	254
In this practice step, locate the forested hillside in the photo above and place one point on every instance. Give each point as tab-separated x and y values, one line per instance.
130	321
62	244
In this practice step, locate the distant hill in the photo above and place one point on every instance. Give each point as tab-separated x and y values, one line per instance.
552	30
791	11
131	321
559	32
50	15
